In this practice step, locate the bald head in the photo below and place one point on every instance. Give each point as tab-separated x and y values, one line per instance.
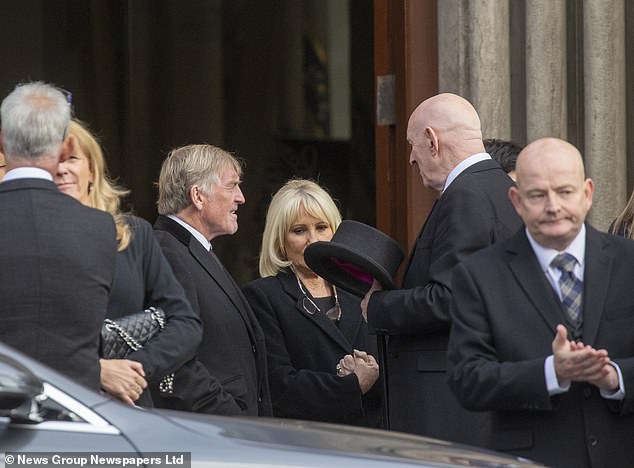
448	113
443	130
552	195
549	152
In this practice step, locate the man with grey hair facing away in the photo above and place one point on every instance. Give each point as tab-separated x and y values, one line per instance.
57	256
199	196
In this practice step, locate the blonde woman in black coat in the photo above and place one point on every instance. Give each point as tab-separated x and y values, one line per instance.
320	357
142	278
623	225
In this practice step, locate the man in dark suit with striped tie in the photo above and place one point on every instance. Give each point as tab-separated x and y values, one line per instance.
542	323
472	212
199	196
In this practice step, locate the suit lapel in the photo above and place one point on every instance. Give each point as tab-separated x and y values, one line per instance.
532	280
319	319
182	235
210	264
220	275
596	279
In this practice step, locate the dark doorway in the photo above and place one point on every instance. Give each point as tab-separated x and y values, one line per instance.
287	85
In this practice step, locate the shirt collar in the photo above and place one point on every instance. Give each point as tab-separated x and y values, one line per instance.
27	173
577	248
194	232
464	164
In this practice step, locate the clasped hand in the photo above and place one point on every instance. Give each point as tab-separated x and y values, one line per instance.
577	362
123	379
363	365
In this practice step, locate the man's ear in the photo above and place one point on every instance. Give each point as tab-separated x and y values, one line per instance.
431	139
588	190
196	196
514	195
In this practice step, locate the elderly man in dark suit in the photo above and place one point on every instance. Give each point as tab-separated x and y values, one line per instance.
199	195
57	256
542	324
472	212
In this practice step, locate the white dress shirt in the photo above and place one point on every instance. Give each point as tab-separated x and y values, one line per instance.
545	256
194	232
464	164
27	173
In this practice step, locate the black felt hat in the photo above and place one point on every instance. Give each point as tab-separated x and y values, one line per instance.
356	255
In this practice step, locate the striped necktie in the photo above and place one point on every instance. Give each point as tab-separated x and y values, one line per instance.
571	287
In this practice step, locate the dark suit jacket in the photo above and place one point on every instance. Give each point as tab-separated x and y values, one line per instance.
57	261
303	350
143	278
229	374
473	213
504	318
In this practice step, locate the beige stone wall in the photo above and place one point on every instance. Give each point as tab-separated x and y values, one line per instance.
604	98
545	69
569	80
474	59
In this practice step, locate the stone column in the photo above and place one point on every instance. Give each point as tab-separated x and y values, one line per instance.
604	101
545	69
474	62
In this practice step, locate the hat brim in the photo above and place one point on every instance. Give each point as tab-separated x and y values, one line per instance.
345	268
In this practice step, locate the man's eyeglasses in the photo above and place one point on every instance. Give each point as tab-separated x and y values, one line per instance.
68	95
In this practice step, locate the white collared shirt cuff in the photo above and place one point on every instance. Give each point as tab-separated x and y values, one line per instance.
552	383
618	394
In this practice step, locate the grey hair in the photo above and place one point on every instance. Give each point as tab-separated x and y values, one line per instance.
187	166
35	119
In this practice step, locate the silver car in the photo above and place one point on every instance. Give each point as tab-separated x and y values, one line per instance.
44	414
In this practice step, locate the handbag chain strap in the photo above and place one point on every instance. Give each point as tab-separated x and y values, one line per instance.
129	339
166	385
131	342
158	317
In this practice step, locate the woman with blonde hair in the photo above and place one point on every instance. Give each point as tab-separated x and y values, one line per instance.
623	225
143	278
309	325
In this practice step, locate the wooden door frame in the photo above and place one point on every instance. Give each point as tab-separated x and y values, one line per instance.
405	46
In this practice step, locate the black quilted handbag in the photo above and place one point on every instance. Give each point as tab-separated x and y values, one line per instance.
119	337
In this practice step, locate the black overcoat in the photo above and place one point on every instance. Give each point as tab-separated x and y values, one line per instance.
228	375
504	319
472	213
303	350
